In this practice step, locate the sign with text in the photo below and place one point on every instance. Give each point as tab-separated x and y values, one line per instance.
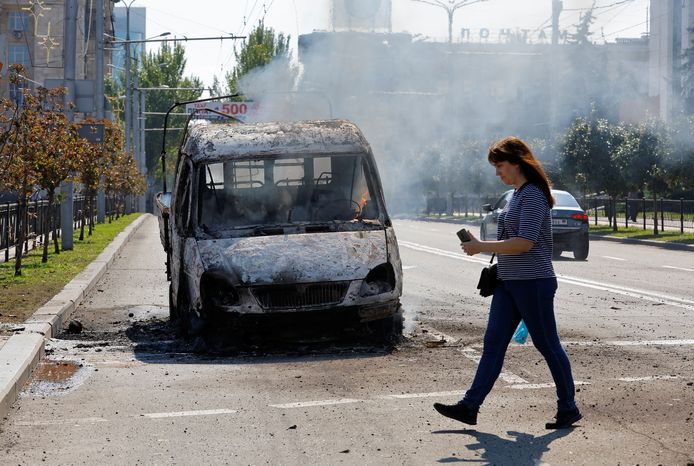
239	110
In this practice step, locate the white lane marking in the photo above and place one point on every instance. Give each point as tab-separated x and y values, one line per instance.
57	422
678	268
508	377
474	355
631	343
204	412
441	252
526	386
614	258
406	396
306	404
649	378
408	267
616	289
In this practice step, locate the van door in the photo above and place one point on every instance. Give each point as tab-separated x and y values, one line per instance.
181	208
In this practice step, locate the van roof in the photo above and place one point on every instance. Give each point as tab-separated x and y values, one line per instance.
207	142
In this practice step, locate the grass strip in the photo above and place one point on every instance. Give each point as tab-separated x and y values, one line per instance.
39	282
671	236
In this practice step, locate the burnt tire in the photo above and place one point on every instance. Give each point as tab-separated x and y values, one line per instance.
389	330
581	249
188	320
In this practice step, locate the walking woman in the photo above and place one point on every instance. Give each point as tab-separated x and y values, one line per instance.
526	284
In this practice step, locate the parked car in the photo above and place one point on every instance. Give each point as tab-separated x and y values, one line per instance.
280	218
569	223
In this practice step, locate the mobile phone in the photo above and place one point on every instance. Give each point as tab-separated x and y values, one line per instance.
463	235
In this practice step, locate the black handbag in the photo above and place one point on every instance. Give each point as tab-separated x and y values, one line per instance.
488	277
487	282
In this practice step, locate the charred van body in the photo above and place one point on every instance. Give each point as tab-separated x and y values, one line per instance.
280	218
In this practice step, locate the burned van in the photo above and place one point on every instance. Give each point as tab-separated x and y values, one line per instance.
274	218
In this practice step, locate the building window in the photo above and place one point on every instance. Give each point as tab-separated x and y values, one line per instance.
19	21
19	55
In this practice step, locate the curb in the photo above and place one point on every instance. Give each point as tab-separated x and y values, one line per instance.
23	350
645	242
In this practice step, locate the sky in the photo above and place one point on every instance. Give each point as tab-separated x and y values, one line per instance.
215	18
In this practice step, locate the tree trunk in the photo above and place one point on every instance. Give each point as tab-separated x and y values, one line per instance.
614	214
54	228
655	213
48	225
91	211
21	234
82	221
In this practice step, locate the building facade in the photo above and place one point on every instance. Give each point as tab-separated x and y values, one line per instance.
671	22
32	35
138	31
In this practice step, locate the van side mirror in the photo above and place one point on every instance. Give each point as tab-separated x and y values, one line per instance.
486	207
164	203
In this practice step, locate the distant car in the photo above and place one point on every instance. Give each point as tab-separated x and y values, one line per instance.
569	224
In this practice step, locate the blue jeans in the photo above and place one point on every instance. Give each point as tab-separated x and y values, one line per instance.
532	301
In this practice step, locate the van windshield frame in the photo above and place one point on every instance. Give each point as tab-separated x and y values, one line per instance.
339	191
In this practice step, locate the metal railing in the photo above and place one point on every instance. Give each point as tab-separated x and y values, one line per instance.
464	205
657	214
660	214
36	216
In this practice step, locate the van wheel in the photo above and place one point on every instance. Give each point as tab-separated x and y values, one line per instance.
389	330
556	253
581	249
189	322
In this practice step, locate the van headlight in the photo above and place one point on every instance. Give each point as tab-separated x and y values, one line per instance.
381	279
217	291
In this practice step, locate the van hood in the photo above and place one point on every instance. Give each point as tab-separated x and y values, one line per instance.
296	258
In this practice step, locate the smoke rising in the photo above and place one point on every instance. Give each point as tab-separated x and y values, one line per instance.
412	97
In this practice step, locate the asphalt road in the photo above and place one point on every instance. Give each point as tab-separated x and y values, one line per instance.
127	391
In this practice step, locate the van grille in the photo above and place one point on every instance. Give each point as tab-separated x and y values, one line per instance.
300	295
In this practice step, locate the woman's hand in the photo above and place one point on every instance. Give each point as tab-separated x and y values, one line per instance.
472	247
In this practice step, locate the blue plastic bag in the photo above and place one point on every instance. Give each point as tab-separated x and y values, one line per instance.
521	335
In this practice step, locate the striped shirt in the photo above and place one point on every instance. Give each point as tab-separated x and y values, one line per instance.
527	215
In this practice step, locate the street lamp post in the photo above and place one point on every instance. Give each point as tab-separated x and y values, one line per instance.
142	127
128	90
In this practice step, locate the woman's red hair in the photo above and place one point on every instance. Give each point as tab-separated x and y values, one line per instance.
514	151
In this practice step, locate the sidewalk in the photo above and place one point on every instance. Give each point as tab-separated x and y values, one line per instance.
21	352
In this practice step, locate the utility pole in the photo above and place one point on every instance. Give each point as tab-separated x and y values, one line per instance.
99	96
128	85
557	6
69	67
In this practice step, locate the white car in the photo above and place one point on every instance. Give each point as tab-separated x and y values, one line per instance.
569	223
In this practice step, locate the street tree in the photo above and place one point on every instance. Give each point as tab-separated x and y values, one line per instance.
36	136
57	150
120	173
91	169
586	158
162	71
262	48
681	158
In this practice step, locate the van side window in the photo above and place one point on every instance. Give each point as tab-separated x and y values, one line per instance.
183	197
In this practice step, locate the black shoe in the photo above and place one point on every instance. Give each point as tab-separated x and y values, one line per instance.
460	412
564	419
